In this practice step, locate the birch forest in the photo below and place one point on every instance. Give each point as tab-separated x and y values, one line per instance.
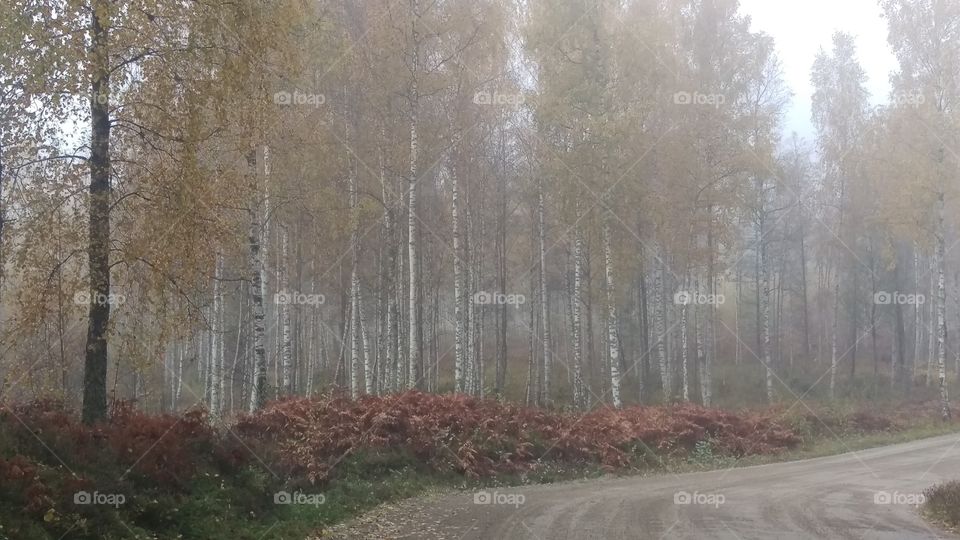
375	269
563	203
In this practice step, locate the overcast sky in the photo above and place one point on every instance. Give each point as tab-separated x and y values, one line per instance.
802	27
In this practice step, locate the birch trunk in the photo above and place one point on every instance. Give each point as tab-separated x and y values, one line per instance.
270	309
502	318
368	376
402	282
216	349
579	393
764	280
803	283
311	355
544	303
643	356
413	354
918	315
531	386
613	342
205	347
459	296
286	384
706	375
479	313
698	323
941	310
836	301
530	389
98	315
258	387
391	348
179	386
684	352
469	365
956	305
660	307
354	336
931	329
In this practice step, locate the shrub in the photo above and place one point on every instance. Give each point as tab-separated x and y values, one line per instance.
477	437
943	502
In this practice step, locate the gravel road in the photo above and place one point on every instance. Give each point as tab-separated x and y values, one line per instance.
869	494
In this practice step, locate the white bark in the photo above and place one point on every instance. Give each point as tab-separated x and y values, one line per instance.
221	323
579	392
918	322
368	377
660	324
413	355
470	358
941	310
698	322
836	299
710	345
311	358
285	342
259	376
401	371
478	311
216	353
544	304
932	330
956	306
684	370
459	294
354	368
613	343
179	381
389	358
271	310
765	299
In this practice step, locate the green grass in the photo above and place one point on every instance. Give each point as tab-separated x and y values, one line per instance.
240	507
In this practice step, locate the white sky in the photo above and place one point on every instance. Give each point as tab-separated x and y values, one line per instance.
801	27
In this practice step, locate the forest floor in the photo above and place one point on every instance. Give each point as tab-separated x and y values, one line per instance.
302	466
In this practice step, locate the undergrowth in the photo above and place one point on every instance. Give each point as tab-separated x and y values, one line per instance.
303	464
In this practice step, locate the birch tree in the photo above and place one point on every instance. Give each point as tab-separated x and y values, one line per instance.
839	103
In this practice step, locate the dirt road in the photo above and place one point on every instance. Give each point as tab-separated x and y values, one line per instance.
870	494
